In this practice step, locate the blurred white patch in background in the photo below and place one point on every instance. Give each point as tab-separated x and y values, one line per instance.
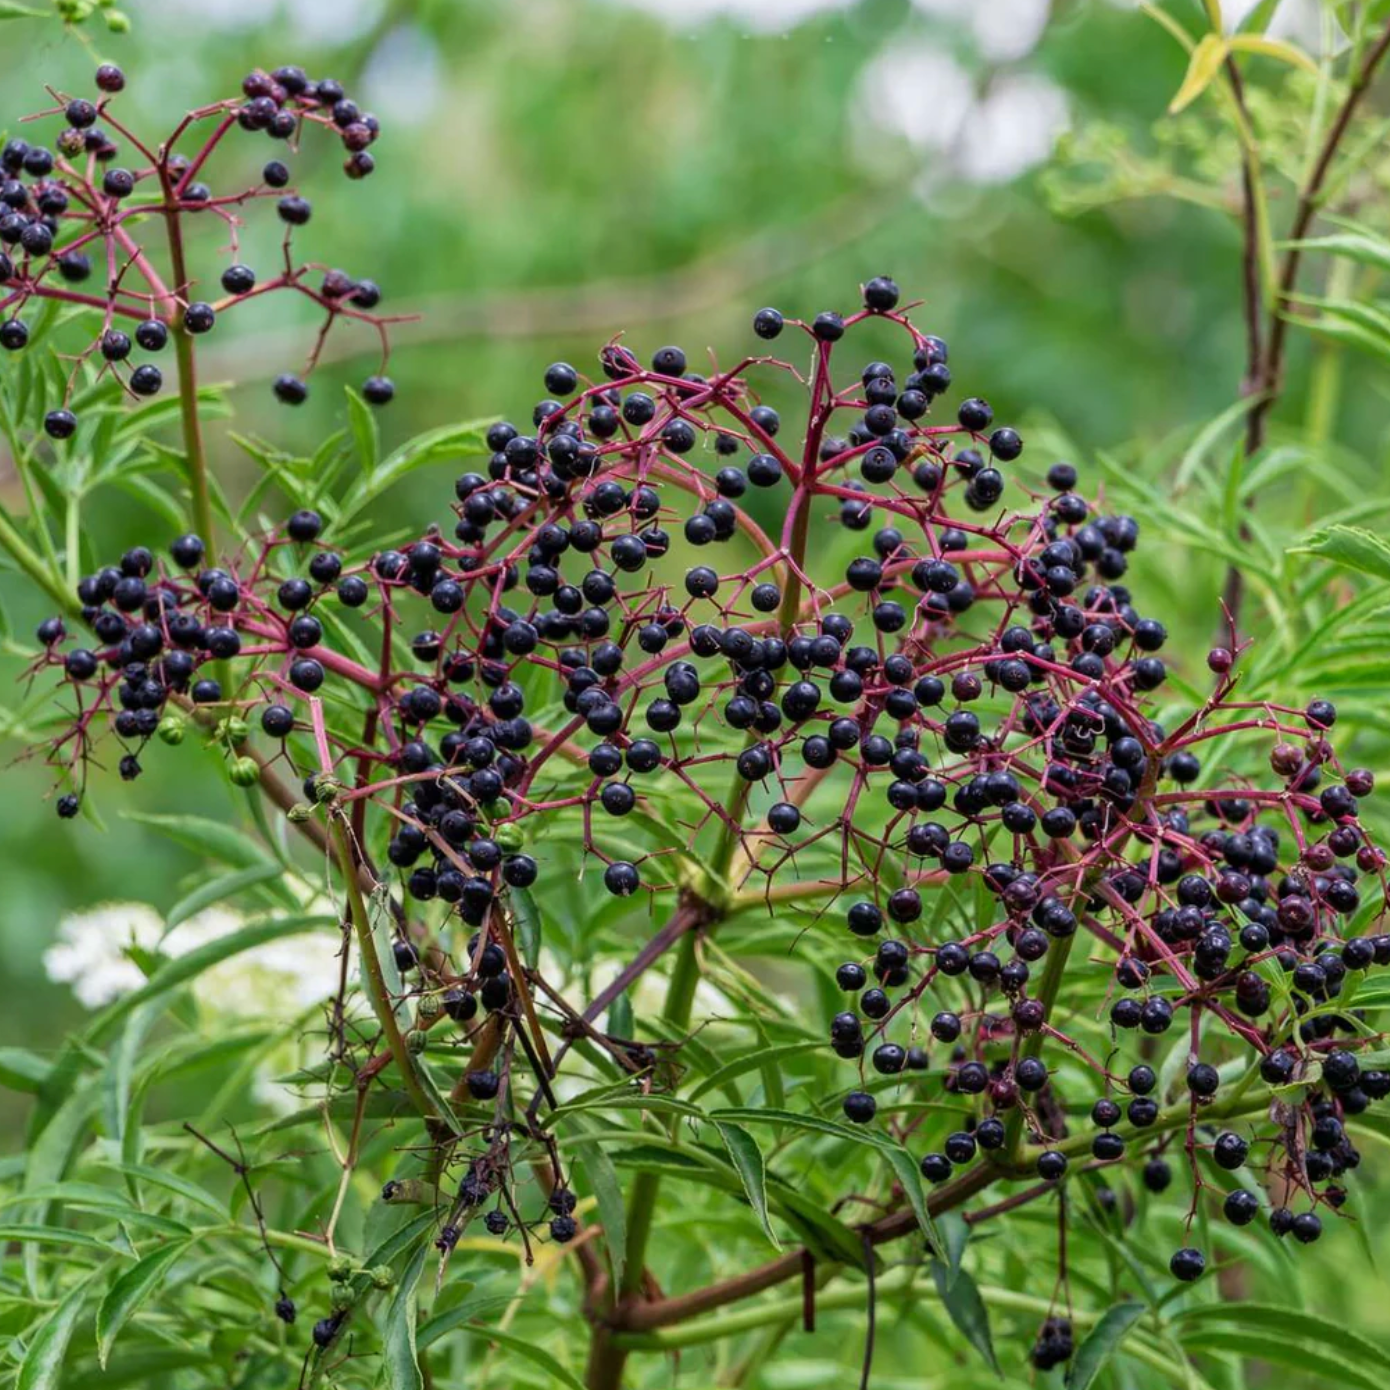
1298	20
989	134
311	21
402	80
277	980
764	16
1003	30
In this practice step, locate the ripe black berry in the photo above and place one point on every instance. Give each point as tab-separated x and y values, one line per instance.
146	379
1187	1264
152	335
290	389
378	390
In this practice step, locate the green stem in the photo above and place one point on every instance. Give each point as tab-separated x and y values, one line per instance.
902	1281
20	551
285	1240
680	998
382	1003
194	452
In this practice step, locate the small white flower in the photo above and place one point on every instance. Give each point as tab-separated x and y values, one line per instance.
92	950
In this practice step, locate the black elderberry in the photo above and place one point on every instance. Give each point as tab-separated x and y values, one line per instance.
146	379
1187	1264
859	1107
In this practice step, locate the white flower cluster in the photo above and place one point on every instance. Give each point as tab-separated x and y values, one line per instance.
96	953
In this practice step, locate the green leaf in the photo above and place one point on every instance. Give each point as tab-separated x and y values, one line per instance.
22	1070
173	1182
1280	1323
1355	246
398	1334
11	9
1257	21
453	440
527	917
955	1235
52	1235
898	1157
608	1192
1273	48
961	1299
905	1166
1101	1342
531	1352
125	1296
365	435
751	1061
224	886
42	1367
1349	547
747	1159
1277	1349
207	837
620	1021
1208	437
1202	67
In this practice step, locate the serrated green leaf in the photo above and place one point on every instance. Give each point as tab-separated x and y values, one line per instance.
1268	1320
125	1296
527	916
747	1159
531	1352
1350	547
1354	246
365	435
1277	1350
612	1210
399	1352
218	889
1101	1343
53	1235
42	1367
215	839
962	1301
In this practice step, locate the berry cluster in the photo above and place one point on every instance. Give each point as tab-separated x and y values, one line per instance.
75	209
910	688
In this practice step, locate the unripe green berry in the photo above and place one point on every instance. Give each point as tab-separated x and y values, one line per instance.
342	1298
415	1041
299	813
233	729
172	729
429	1006
509	836
244	772
340	1268
383	1276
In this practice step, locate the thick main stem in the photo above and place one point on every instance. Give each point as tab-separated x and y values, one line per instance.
194	452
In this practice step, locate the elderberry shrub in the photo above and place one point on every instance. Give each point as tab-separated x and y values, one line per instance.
921	693
76	227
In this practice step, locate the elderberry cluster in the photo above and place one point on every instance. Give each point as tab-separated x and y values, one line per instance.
964	702
75	209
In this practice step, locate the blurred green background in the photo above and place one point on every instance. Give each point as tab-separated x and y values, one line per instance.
555	172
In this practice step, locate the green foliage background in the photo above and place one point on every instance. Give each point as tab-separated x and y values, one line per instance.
588	170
